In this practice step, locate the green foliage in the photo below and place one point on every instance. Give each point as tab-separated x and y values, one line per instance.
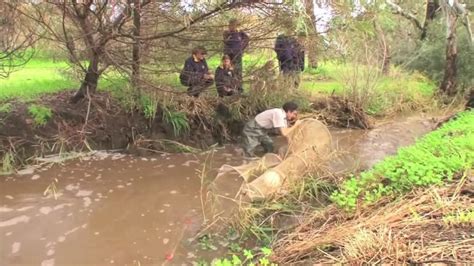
246	257
41	114
206	242
178	121
149	107
429	56
37	77
436	157
399	91
6	108
460	218
8	162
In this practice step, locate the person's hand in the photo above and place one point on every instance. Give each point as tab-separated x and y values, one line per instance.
227	89
296	123
208	76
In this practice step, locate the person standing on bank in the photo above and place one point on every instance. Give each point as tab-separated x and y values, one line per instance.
195	74
256	130
227	83
235	42
291	57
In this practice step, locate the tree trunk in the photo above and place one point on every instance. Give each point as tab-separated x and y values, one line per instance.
89	84
386	60
385	49
432	7
136	45
312	39
448	85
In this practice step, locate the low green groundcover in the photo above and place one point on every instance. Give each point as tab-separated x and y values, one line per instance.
436	157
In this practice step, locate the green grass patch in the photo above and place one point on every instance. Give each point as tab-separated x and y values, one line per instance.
6	108
40	114
42	76
436	157
37	77
376	93
459	218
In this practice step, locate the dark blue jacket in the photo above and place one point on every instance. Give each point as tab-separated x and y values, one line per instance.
226	78
290	54
235	42
193	72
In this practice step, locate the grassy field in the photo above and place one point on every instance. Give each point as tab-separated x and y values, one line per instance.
37	77
381	94
42	76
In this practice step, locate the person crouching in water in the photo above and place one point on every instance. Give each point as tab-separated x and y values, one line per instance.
227	83
195	74
256	130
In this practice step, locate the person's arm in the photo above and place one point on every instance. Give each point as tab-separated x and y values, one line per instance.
278	46
186	73
285	131
225	36
219	78
207	74
245	40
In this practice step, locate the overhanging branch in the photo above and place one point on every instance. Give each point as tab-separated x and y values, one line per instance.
398	10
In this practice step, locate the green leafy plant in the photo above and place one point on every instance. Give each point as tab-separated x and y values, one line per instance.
8	162
178	121
436	157
149	107
246	257
206	243
6	108
41	114
460	218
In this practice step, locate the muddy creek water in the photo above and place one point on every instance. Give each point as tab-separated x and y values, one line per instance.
127	210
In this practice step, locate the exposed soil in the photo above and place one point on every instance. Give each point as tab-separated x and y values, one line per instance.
100	124
103	123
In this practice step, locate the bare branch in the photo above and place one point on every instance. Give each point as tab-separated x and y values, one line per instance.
398	10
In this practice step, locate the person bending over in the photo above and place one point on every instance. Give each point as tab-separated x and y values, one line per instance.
255	132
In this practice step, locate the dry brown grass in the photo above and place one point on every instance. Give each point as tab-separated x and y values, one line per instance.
408	230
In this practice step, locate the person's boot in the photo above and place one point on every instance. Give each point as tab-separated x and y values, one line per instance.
267	147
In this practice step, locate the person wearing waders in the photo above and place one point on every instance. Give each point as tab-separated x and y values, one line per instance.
235	42
195	74
227	83
290	55
256	130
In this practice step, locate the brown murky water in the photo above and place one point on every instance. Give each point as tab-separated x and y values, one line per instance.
126	210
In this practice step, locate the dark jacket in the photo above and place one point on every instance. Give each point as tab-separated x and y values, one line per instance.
193	72
235	42
226	78
290	54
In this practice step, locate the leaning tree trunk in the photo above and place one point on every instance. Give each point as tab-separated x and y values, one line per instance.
448	85
136	45
89	84
384	49
312	39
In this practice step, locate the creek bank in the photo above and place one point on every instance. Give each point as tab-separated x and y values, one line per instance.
104	124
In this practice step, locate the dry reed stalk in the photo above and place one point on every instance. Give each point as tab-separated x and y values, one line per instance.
408	220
